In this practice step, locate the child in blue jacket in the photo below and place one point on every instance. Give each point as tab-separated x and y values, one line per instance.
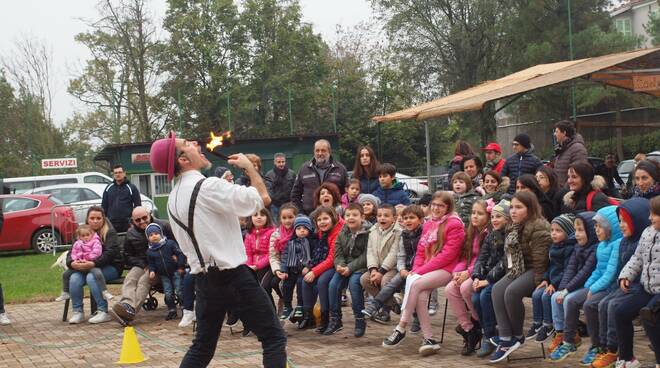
167	262
390	190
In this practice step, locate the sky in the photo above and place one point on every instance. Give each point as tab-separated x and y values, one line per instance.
55	23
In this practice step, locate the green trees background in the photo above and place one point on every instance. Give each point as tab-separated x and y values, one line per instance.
255	67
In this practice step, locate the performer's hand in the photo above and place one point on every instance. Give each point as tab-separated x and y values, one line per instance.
241	161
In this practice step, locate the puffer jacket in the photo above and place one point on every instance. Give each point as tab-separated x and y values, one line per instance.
408	242
369	185
111	254
256	244
607	255
382	248
160	257
576	202
645	261
637	209
447	258
519	164
328	241
535	242
583	260
394	195
468	265
351	248
490	264
571	151
136	243
464	204
560	255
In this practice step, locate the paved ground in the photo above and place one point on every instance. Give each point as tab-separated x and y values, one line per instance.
38	338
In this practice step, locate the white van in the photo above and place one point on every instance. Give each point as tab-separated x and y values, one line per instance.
29	183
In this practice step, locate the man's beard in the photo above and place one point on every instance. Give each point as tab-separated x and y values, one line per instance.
321	161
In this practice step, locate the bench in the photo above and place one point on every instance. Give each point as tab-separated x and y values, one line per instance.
93	307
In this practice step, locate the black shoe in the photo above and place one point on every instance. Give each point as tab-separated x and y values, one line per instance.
297	315
649	315
171	315
335	325
544	334
582	329
360	327
307	320
429	347
533	331
325	318
117	312
371	310
344	299
287	312
415	326
382	317
394	339
472	341
232	320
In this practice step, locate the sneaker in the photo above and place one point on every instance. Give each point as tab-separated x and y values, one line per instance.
563	351
415	327
232	320
171	315
429	347
187	319
556	341
382	317
590	356
370	311
334	326
605	359
504	349
545	332
100	317
533	331
344	300
433	309
394	339
495	340
64	296
297	315
107	295
486	349
287	312
634	363
4	319
77	317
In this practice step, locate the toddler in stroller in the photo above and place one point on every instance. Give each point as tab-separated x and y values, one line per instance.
166	264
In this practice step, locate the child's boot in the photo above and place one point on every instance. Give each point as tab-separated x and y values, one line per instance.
325	318
307	320
360	327
335	325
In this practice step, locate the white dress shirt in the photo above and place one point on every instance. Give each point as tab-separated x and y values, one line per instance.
216	226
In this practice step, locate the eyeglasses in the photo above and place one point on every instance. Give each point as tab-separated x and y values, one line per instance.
141	219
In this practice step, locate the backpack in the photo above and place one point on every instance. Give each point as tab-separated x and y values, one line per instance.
592	194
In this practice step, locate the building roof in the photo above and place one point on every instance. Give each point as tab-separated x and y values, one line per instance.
629	5
614	69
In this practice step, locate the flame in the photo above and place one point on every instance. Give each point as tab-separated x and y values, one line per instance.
220	140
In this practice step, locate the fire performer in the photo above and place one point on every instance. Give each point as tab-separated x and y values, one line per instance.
204	216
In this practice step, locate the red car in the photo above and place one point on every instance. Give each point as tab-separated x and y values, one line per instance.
27	222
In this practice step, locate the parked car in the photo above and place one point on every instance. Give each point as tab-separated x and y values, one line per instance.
416	188
83	196
27	223
655	156
624	168
28	183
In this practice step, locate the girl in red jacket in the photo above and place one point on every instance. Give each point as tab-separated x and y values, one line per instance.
438	253
257	241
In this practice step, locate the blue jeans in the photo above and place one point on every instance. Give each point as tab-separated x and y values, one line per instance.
170	287
541	306
79	279
319	287
339	283
483	304
275	210
188	291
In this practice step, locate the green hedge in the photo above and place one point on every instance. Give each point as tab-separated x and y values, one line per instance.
632	145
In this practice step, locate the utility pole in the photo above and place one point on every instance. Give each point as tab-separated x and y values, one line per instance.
290	115
178	105
229	110
334	105
570	51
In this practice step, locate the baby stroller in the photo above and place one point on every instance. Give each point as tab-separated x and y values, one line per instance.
151	303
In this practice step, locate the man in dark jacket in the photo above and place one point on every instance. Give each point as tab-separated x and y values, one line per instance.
569	148
320	169
523	161
281	179
136	284
119	199
609	172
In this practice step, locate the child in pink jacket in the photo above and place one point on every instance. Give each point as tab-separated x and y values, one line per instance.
459	290
438	253
88	246
257	242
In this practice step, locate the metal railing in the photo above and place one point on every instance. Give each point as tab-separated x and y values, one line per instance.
79	213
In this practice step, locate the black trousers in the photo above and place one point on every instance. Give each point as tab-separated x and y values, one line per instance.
238	290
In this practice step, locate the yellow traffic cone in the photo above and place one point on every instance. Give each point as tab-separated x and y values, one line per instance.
130	348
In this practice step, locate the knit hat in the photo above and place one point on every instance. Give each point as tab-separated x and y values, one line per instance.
502	208
524	140
220	171
153	228
565	222
602	222
302	220
425	200
369	198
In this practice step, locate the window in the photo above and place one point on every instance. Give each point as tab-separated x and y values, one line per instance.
90	195
19	204
143	183
96	179
48	182
20	187
163	186
624	26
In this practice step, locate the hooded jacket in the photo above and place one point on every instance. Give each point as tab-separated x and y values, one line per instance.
256	244
637	209
519	164
464	204
560	255
394	195
160	257
382	248
645	261
308	179
87	250
119	200
535	242
583	260
607	255
351	248
571	151
447	258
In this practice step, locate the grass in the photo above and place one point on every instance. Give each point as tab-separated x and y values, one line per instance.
28	278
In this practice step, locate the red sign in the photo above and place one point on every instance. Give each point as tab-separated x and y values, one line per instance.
646	83
59	163
140	158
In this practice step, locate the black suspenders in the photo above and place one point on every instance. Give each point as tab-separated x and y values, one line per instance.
189	228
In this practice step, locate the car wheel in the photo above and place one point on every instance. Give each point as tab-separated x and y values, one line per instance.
411	193
44	240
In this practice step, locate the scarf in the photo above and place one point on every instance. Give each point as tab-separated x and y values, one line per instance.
649	193
410	240
560	147
513	250
490	165
281	172
285	236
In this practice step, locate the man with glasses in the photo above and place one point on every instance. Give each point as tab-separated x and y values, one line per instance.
523	161
136	284
120	198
